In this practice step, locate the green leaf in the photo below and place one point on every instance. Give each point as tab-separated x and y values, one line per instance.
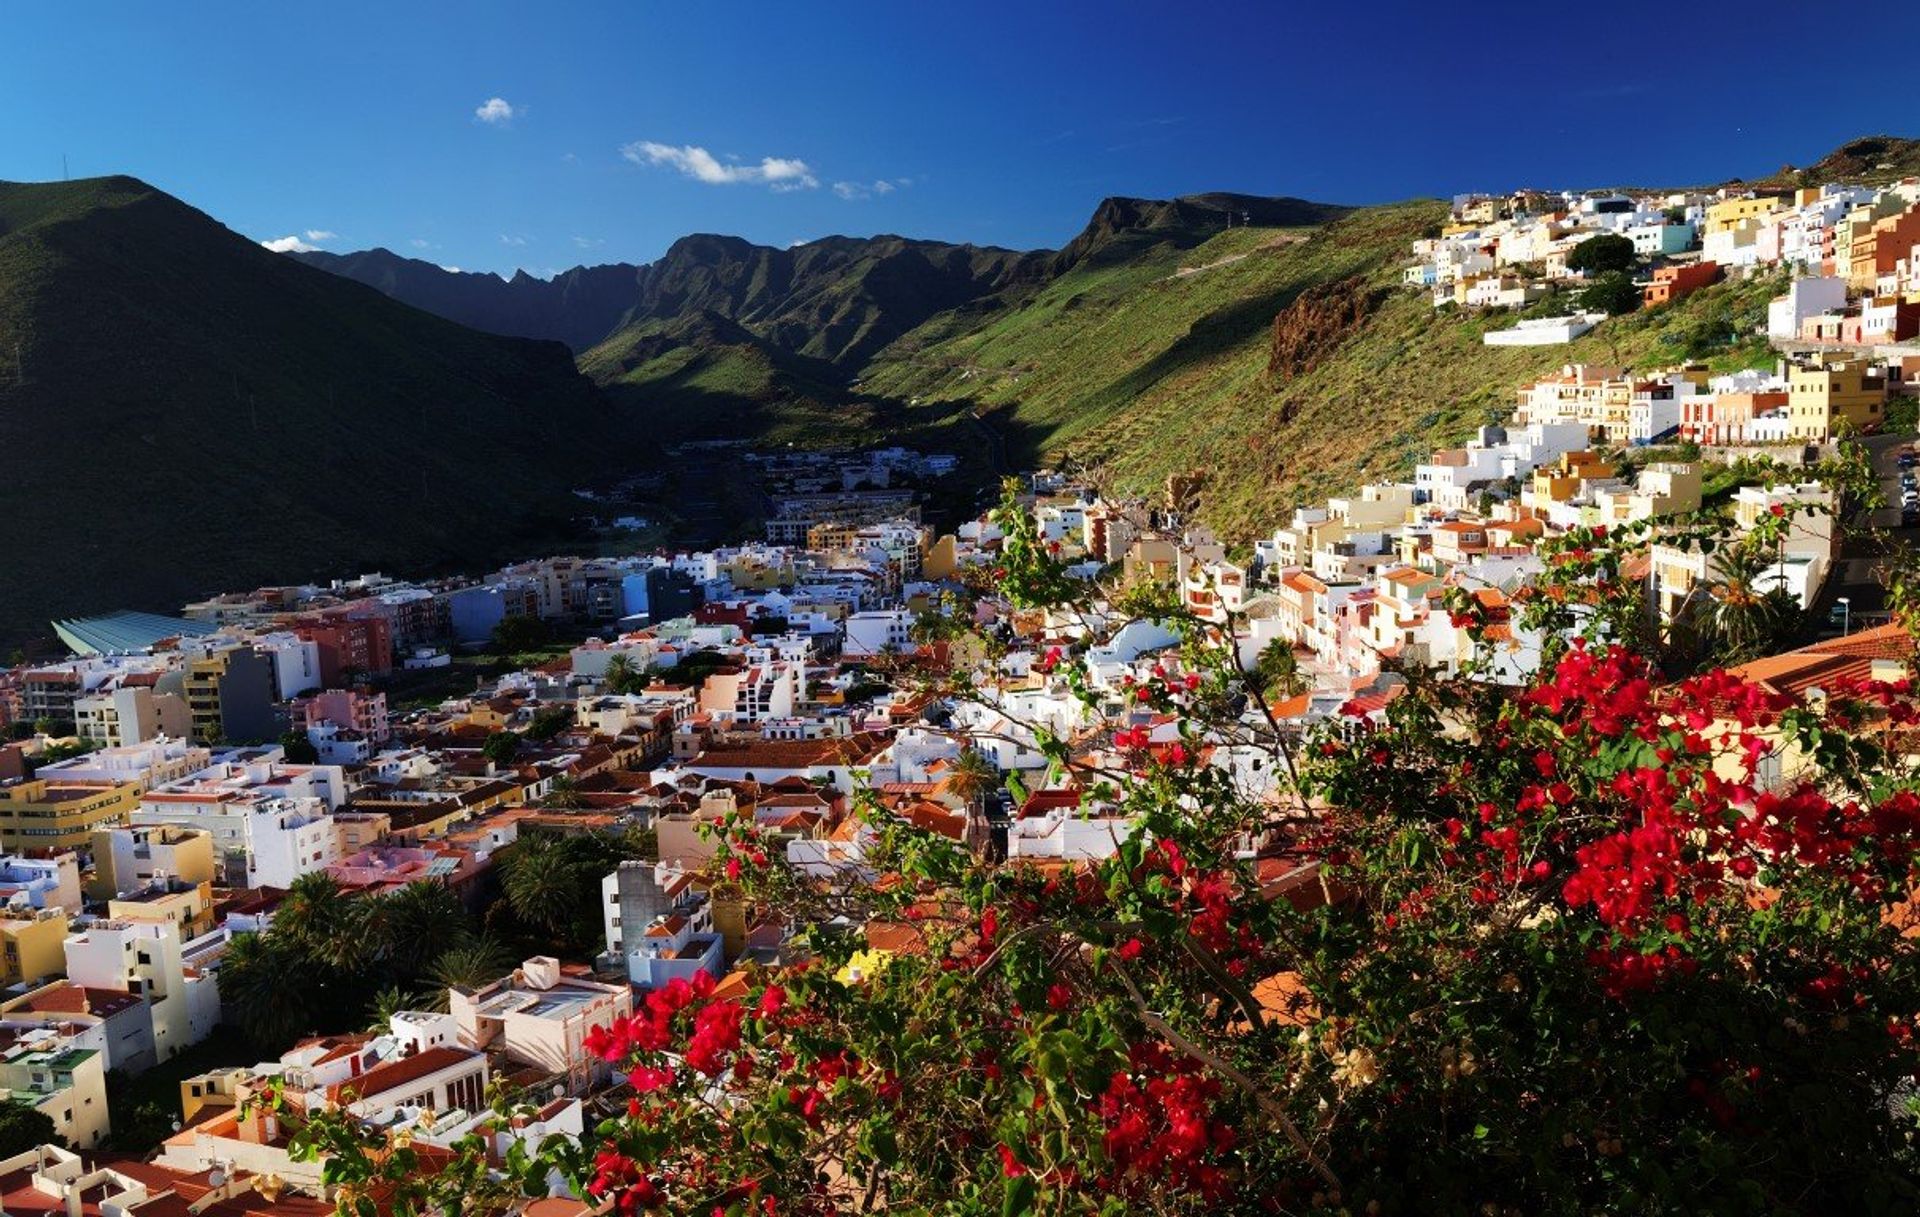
1019	1196
1479	1132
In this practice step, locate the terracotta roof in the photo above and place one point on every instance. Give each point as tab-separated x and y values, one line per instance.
895	938
1367	704
1823	663
65	997
794	754
394	1074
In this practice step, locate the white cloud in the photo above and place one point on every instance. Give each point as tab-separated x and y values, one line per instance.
495	111
777	173
452	270
507	240
422	243
589	242
290	245
866	190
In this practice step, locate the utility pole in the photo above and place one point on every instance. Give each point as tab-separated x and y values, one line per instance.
63	168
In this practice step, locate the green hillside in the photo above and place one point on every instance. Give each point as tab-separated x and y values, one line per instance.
184	412
1159	364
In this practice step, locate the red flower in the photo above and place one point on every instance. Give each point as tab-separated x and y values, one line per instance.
771	1002
1009	1164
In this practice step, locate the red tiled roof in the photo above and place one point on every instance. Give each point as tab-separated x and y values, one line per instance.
69	998
394	1074
1370	703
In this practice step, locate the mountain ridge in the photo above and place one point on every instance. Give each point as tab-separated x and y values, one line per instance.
190	412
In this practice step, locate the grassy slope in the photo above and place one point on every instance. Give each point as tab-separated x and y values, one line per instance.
1143	373
190	413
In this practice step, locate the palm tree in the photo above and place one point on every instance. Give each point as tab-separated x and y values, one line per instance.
1277	670
623	677
323	923
1749	622
389	1002
543	884
972	777
416	925
564	792
470	965
263	991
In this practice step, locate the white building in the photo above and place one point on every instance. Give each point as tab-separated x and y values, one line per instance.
1806	297
257	842
41	883
1542	331
145	958
540	1017
875	633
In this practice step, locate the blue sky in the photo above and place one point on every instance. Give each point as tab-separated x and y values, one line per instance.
620	126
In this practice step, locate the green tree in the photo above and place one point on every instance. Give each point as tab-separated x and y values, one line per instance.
389	1002
23	1128
1612	293
565	793
470	965
549	721
1278	670
416	925
972	777
552	885
542	881
623	676
322	923
501	747
299	749
266	990
517	634
1604	254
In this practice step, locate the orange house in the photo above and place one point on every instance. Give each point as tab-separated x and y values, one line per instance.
1673	282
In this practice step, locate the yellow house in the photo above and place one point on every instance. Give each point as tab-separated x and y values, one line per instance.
942	559
203	679
1825	394
128	859
1730	214
1876	653
177	902
1150	560
46	1071
53	814
831	535
217	1088
33	948
1562	480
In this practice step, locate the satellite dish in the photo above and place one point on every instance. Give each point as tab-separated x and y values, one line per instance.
217	1177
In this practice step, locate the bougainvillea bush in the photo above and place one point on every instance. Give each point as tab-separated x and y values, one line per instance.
1554	949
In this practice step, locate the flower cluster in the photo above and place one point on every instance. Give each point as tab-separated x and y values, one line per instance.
1161	1127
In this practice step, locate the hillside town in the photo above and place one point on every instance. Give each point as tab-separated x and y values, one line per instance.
181	787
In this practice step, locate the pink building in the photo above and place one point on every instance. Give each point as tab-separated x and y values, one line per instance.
347	709
380	869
